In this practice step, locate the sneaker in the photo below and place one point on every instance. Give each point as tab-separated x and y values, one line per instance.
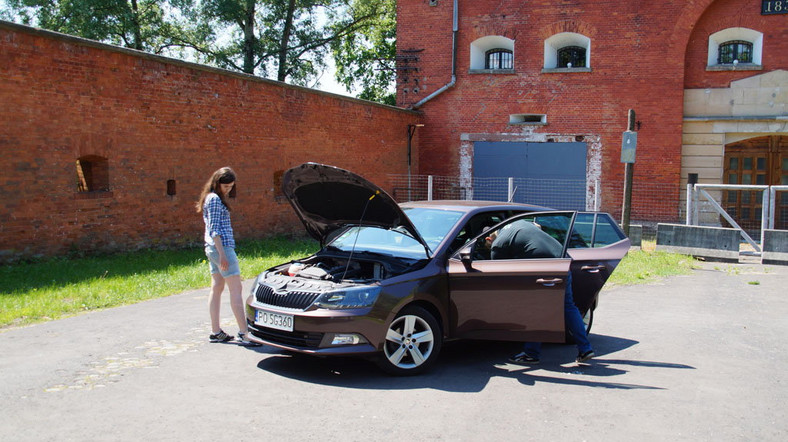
244	340
220	337
586	355
523	359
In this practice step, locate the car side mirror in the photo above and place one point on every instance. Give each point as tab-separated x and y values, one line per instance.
466	256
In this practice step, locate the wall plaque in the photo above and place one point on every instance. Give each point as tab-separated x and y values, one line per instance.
774	7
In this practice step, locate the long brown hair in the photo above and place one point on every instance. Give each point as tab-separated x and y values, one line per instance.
225	175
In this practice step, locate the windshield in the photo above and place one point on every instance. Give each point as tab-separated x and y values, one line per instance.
433	225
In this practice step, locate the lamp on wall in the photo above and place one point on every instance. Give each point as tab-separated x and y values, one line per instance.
411	132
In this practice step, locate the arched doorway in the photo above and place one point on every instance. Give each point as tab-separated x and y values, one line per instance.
759	161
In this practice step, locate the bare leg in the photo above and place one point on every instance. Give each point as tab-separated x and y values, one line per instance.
215	300
237	302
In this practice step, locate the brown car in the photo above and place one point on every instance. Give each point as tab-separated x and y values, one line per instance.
396	281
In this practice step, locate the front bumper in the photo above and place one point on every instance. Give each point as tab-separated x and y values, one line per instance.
314	332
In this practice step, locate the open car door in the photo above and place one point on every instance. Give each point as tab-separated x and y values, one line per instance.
517	298
596	248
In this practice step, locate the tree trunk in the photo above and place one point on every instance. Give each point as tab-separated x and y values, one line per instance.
282	74
135	26
249	38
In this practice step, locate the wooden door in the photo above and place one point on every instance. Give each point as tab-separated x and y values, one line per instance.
759	161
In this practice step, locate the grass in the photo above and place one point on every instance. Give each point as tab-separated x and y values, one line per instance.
646	265
54	288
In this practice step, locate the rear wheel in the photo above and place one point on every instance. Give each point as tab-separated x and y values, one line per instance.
413	342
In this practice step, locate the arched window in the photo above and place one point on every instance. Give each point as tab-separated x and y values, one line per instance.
733	47
567	50
572	57
499	59
92	174
735	51
492	53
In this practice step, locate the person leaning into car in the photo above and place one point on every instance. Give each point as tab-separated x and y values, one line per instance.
523	240
220	250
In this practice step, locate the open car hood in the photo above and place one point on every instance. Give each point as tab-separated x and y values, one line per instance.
328	199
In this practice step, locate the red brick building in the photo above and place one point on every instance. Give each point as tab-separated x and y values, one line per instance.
105	148
555	79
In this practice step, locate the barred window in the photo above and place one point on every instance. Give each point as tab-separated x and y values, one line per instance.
735	51
499	59
572	57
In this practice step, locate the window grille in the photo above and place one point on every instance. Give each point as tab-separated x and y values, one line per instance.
499	59
572	57
738	51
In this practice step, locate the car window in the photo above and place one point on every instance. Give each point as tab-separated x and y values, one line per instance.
584	229
433	224
475	226
607	231
377	240
526	237
595	230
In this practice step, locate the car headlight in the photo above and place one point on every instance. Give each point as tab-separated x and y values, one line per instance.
352	297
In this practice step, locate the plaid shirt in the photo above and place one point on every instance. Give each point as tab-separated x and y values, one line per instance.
217	221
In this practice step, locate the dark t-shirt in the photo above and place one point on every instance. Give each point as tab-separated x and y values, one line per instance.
522	239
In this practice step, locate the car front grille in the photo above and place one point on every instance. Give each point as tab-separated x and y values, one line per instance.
289	299
296	339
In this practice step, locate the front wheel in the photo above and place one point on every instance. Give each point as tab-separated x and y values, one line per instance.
413	342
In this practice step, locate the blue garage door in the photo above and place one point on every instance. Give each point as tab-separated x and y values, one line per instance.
547	174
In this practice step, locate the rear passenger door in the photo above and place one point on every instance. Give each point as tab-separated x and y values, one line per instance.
596	247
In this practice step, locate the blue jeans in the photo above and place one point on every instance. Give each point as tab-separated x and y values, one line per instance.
573	321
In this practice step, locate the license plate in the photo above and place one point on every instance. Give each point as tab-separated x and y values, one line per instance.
278	321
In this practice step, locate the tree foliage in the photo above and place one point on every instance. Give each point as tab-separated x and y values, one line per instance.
365	60
145	25
289	40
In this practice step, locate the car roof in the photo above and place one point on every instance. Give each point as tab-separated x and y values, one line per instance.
470	205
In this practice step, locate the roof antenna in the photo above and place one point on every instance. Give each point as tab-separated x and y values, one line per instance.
355	240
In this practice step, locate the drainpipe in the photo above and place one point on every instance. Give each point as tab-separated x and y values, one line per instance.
453	65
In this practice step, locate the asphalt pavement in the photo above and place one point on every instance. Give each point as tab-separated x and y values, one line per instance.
697	357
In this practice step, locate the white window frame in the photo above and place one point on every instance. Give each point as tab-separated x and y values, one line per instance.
564	39
479	49
726	35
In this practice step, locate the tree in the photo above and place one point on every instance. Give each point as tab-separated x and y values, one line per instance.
139	24
285	39
365	60
288	37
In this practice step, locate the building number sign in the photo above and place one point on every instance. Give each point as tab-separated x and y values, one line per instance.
774	7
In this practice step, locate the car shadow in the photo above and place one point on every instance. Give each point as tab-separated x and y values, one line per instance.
468	366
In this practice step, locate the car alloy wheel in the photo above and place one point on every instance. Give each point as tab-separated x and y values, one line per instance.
413	341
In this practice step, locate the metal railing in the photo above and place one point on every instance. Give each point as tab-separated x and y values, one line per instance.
698	193
652	203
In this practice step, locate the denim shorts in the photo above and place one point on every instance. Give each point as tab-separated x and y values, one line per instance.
213	261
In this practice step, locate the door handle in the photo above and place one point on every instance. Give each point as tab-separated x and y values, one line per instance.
592	269
549	282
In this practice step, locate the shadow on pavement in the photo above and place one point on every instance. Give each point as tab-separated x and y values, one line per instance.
467	366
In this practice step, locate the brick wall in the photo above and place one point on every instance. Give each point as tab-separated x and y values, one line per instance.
640	52
155	119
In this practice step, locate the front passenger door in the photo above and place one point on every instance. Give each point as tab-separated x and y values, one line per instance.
511	299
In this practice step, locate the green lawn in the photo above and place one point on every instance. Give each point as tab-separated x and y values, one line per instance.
50	289
54	288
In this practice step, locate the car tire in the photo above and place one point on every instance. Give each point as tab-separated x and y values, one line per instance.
413	342
588	320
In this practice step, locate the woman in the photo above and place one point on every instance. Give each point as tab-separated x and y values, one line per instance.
220	250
